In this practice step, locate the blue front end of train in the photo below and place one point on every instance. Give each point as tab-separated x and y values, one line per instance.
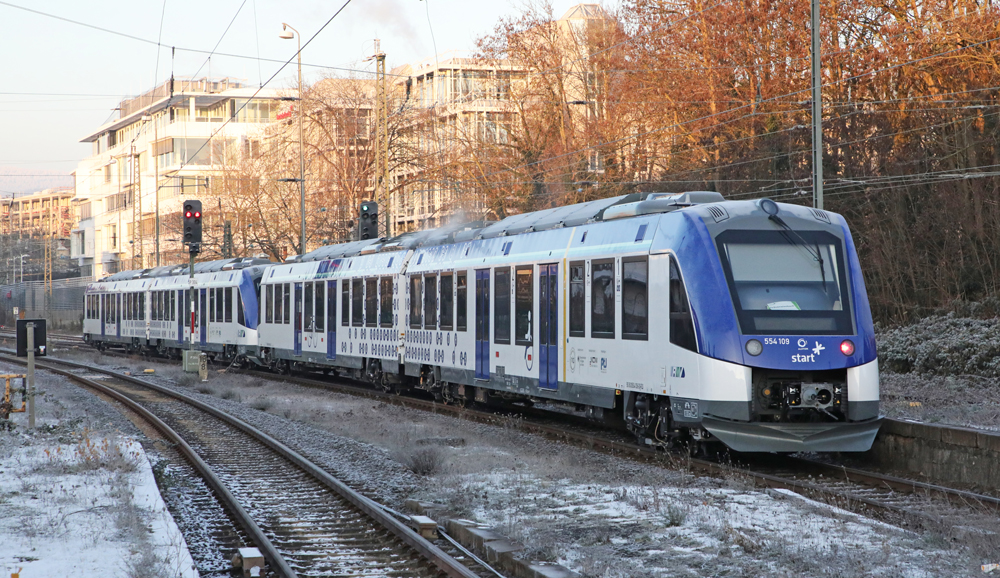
784	329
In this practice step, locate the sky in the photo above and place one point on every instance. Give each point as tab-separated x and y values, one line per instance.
61	80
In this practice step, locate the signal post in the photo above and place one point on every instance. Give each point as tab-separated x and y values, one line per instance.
191	227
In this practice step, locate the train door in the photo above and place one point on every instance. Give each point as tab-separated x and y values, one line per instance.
548	326
203	316
117	312
297	337
331	319
482	323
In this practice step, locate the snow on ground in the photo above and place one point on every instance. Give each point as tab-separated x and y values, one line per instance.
600	515
81	502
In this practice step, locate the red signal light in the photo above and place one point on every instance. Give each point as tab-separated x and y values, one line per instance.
197	215
847	347
187	215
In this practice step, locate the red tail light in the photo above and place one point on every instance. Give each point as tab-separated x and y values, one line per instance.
847	347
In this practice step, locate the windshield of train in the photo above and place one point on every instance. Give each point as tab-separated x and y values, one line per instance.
787	282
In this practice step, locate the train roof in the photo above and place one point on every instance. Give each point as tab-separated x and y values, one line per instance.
205	267
612	208
630	205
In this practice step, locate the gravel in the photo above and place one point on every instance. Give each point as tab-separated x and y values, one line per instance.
598	514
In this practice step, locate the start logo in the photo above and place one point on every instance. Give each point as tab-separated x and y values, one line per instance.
800	358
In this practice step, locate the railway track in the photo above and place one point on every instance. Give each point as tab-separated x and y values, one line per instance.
65	339
305	521
900	501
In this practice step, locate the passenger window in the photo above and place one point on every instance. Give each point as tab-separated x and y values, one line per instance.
681	325
577	299
331	306
307	307
461	291
211	305
430	302
357	302
269	303
286	309
279	298
524	304
501	305
345	303
371	302
635	298
385	301
229	304
602	299
319	313
240	316
447	302
416	300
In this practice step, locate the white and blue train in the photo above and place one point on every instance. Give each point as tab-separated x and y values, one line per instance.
149	310
682	315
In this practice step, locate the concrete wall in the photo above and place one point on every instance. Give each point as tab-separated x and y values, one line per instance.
941	453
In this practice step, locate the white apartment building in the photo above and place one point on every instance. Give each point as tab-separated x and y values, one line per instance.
163	146
463	101
456	99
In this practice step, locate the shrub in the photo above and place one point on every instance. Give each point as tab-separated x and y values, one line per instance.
424	461
942	345
262	403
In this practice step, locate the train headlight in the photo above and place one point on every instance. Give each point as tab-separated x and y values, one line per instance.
847	347
754	347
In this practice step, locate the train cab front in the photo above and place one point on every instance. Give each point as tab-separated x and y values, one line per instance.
806	338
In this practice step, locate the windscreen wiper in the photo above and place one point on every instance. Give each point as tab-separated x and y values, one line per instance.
805	245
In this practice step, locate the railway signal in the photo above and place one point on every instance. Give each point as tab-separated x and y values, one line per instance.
192	225
368	221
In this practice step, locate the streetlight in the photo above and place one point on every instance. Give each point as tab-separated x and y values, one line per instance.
302	166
